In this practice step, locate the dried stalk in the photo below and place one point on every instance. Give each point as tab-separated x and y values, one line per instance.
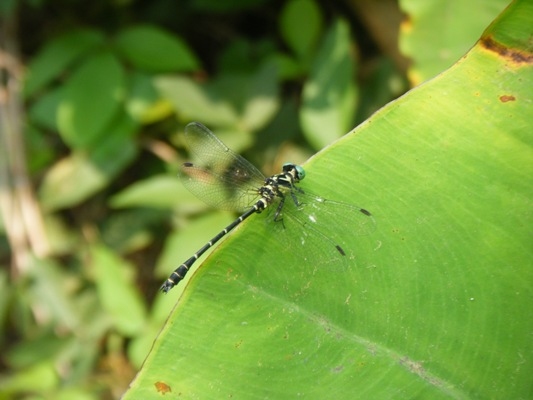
20	210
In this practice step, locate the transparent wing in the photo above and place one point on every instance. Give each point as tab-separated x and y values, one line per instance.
321	230
221	178
316	211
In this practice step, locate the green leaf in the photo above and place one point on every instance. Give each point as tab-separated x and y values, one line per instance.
44	111
436	34
8	8
36	349
262	101
57	55
384	84
78	176
50	287
39	151
437	302
289	68
116	292
152	49
196	102
329	95
143	103
219	104
133	230
92	98
301	25
38	378
237	56
156	191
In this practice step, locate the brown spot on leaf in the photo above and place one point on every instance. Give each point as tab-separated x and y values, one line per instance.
507	97
512	55
162	387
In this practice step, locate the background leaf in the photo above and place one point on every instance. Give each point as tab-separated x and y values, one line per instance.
157	191
88	171
124	305
261	101
97	85
195	102
59	54
329	95
152	49
435	37
301	25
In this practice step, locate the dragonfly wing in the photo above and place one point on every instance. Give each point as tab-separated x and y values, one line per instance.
317	211
214	155
322	226
222	178
213	190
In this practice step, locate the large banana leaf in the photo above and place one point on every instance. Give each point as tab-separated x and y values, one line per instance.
436	303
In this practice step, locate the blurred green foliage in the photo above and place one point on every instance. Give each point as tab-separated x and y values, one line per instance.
108	87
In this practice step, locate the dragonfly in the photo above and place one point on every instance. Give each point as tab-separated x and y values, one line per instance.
225	180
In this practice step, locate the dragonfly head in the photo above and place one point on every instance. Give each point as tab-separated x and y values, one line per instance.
296	170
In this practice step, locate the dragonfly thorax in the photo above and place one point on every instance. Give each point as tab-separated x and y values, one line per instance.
277	185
